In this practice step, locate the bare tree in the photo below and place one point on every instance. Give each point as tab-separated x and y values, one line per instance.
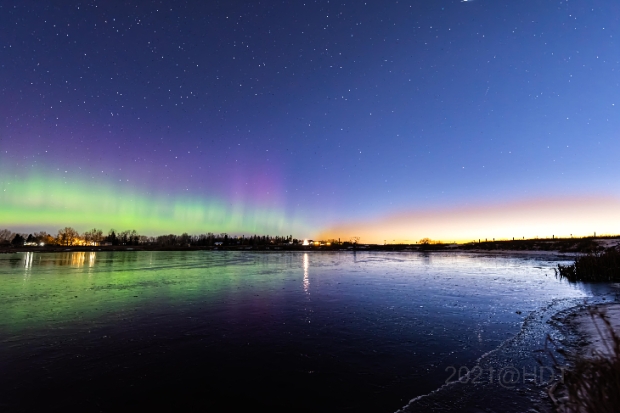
94	236
185	239
88	238
67	236
44	237
428	241
97	235
6	235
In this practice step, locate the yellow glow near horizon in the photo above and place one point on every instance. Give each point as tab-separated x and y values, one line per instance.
559	217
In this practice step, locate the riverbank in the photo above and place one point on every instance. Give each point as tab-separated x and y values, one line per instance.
595	331
592	381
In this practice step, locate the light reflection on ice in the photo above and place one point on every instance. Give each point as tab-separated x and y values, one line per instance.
306	281
28	260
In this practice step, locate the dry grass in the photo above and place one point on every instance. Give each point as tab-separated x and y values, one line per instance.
593	267
593	384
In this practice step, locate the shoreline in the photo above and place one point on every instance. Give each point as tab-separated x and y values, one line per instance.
592	329
587	338
554	247
499	252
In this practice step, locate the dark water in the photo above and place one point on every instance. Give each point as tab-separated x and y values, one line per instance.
230	331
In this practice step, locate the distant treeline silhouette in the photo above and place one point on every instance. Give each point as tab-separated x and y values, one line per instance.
95	237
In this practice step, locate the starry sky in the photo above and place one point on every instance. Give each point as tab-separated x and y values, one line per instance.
315	118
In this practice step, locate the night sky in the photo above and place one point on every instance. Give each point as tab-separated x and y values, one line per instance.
316	119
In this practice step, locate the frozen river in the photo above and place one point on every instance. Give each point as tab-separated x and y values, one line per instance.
224	331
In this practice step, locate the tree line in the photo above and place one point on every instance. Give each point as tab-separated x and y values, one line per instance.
95	237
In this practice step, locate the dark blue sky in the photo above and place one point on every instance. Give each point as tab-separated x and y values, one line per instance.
330	110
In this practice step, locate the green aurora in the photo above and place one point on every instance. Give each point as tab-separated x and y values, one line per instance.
49	203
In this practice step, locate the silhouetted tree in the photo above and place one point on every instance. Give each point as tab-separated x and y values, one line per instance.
184	240
111	238
18	240
93	236
134	237
44	237
6	236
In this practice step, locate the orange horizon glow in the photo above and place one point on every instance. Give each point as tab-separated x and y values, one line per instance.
561	217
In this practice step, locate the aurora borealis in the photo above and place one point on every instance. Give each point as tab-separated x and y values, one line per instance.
384	120
50	201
